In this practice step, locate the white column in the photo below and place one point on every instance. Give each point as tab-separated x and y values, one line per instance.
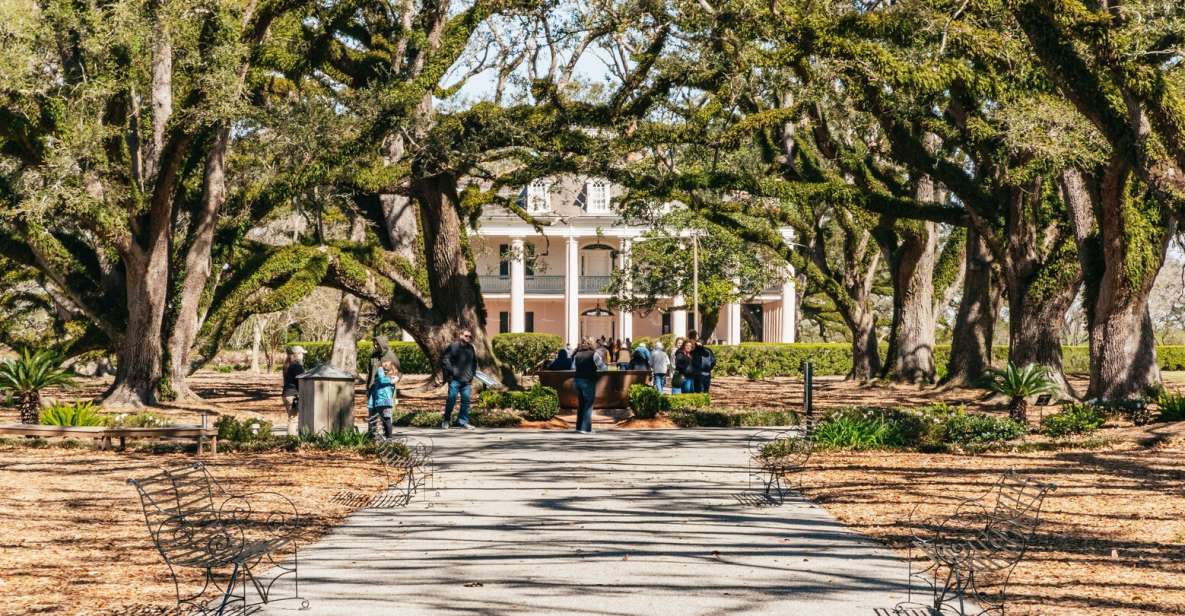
788	305
626	318
572	292
733	335
679	317
518	287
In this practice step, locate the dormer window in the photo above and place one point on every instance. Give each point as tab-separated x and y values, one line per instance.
596	196
538	197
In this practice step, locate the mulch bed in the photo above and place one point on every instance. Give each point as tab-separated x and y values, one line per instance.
1112	540
74	541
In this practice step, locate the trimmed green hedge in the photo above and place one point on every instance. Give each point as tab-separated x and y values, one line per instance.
524	351
731	418
411	359
761	359
479	418
539	403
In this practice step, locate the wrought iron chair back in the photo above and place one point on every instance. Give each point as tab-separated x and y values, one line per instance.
773	454
185	527
406	462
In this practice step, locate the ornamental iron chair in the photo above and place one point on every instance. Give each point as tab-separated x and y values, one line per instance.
773	455
977	545
195	524
407	463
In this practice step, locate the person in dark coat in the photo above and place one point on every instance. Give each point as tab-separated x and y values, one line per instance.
459	365
562	361
293	367
587	362
703	360
683	368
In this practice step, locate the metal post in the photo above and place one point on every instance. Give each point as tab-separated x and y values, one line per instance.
808	385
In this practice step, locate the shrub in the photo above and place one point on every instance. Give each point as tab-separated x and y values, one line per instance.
522	352
23	378
730	418
964	429
249	430
683	402
493	399
145	419
74	414
782	359
871	428
1020	383
492	419
645	401
539	403
1136	410
349	438
780	448
1074	419
1172	406
418	419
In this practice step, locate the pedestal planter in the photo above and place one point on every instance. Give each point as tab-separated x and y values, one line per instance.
613	386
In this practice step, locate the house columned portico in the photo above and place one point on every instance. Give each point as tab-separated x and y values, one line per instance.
556	282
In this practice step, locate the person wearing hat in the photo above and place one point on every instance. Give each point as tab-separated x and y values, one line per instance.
293	367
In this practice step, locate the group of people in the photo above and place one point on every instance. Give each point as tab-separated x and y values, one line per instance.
688	369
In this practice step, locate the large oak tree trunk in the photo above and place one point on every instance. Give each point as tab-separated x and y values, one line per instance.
866	359
453	287
975	323
140	360
911	339
197	272
344	355
1037	308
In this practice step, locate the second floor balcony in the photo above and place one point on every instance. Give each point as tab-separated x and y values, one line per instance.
549	284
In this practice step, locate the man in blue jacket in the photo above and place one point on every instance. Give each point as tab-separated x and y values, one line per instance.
459	365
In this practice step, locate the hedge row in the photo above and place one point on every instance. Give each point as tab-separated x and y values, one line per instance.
411	359
756	360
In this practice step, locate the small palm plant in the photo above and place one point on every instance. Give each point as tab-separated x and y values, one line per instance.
1018	384
23	378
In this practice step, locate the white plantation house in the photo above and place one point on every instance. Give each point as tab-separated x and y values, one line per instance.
554	282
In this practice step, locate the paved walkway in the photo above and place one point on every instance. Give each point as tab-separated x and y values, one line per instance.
619	522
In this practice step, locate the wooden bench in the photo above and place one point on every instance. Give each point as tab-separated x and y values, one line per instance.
104	435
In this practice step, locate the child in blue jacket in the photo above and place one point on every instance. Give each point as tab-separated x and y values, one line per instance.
380	400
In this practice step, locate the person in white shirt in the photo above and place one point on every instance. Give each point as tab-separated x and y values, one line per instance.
660	365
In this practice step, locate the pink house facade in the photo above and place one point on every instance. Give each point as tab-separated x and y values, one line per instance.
554	281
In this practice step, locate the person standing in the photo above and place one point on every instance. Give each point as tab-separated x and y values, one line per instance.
587	362
293	367
459	365
683	381
380	400
660	365
382	352
703	360
640	359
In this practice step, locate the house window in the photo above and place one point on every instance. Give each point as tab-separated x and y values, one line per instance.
504	259
537	197
596	196
504	322
666	322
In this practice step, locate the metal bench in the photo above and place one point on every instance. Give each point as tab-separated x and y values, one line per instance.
980	544
775	454
195	524
407	462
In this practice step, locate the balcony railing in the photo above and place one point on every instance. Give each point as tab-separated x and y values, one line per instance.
544	285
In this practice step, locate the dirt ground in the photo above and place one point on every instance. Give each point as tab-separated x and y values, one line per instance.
73	538
1112	538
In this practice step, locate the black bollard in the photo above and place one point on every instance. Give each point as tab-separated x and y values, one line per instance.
808	377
